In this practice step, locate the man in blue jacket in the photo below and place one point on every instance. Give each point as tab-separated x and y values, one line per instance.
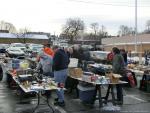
45	64
60	66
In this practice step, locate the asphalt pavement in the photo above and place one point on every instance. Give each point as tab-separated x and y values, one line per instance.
135	101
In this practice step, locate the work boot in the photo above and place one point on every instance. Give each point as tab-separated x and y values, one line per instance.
61	104
56	99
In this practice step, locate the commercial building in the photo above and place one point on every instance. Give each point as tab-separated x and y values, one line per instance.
128	43
23	38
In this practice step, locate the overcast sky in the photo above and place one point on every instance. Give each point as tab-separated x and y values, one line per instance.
50	15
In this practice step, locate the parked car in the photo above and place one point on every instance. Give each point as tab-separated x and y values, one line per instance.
18	45
87	47
3	47
14	52
34	49
64	45
99	56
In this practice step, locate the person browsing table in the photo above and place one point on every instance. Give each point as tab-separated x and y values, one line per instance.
60	66
118	68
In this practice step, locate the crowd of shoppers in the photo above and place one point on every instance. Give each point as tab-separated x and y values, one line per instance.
54	63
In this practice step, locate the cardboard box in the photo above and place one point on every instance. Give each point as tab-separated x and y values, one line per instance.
114	78
75	72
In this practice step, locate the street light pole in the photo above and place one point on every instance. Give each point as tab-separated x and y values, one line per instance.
135	26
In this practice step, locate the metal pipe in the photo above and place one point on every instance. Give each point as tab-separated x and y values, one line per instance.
135	25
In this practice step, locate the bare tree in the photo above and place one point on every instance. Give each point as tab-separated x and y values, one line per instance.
125	30
7	26
95	27
102	31
147	26
22	35
73	28
99	31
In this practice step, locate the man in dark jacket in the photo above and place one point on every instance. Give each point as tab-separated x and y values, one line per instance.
60	66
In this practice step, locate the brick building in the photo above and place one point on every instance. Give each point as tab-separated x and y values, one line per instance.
128	43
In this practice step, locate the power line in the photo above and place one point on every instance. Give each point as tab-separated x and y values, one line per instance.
97	3
108	4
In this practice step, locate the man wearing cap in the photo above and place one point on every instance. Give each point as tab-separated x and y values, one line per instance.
48	50
45	63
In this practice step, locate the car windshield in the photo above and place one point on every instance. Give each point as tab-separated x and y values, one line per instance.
36	45
87	46
101	55
3	46
15	50
36	48
19	45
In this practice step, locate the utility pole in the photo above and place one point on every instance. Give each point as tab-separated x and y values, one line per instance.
135	26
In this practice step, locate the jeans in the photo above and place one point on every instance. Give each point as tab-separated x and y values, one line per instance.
49	74
60	77
119	92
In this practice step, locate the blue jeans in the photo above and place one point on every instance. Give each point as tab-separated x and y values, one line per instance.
49	74
60	77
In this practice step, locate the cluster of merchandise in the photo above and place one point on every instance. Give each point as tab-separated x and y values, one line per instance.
91	77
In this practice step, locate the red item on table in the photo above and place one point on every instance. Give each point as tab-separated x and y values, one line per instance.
61	85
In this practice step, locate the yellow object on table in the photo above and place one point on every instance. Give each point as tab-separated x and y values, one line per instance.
24	65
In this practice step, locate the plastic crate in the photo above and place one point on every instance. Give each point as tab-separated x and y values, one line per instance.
86	94
15	64
148	87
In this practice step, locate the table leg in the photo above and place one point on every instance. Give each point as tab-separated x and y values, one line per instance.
95	94
112	93
107	94
49	105
19	93
142	82
47	100
99	96
8	80
37	103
